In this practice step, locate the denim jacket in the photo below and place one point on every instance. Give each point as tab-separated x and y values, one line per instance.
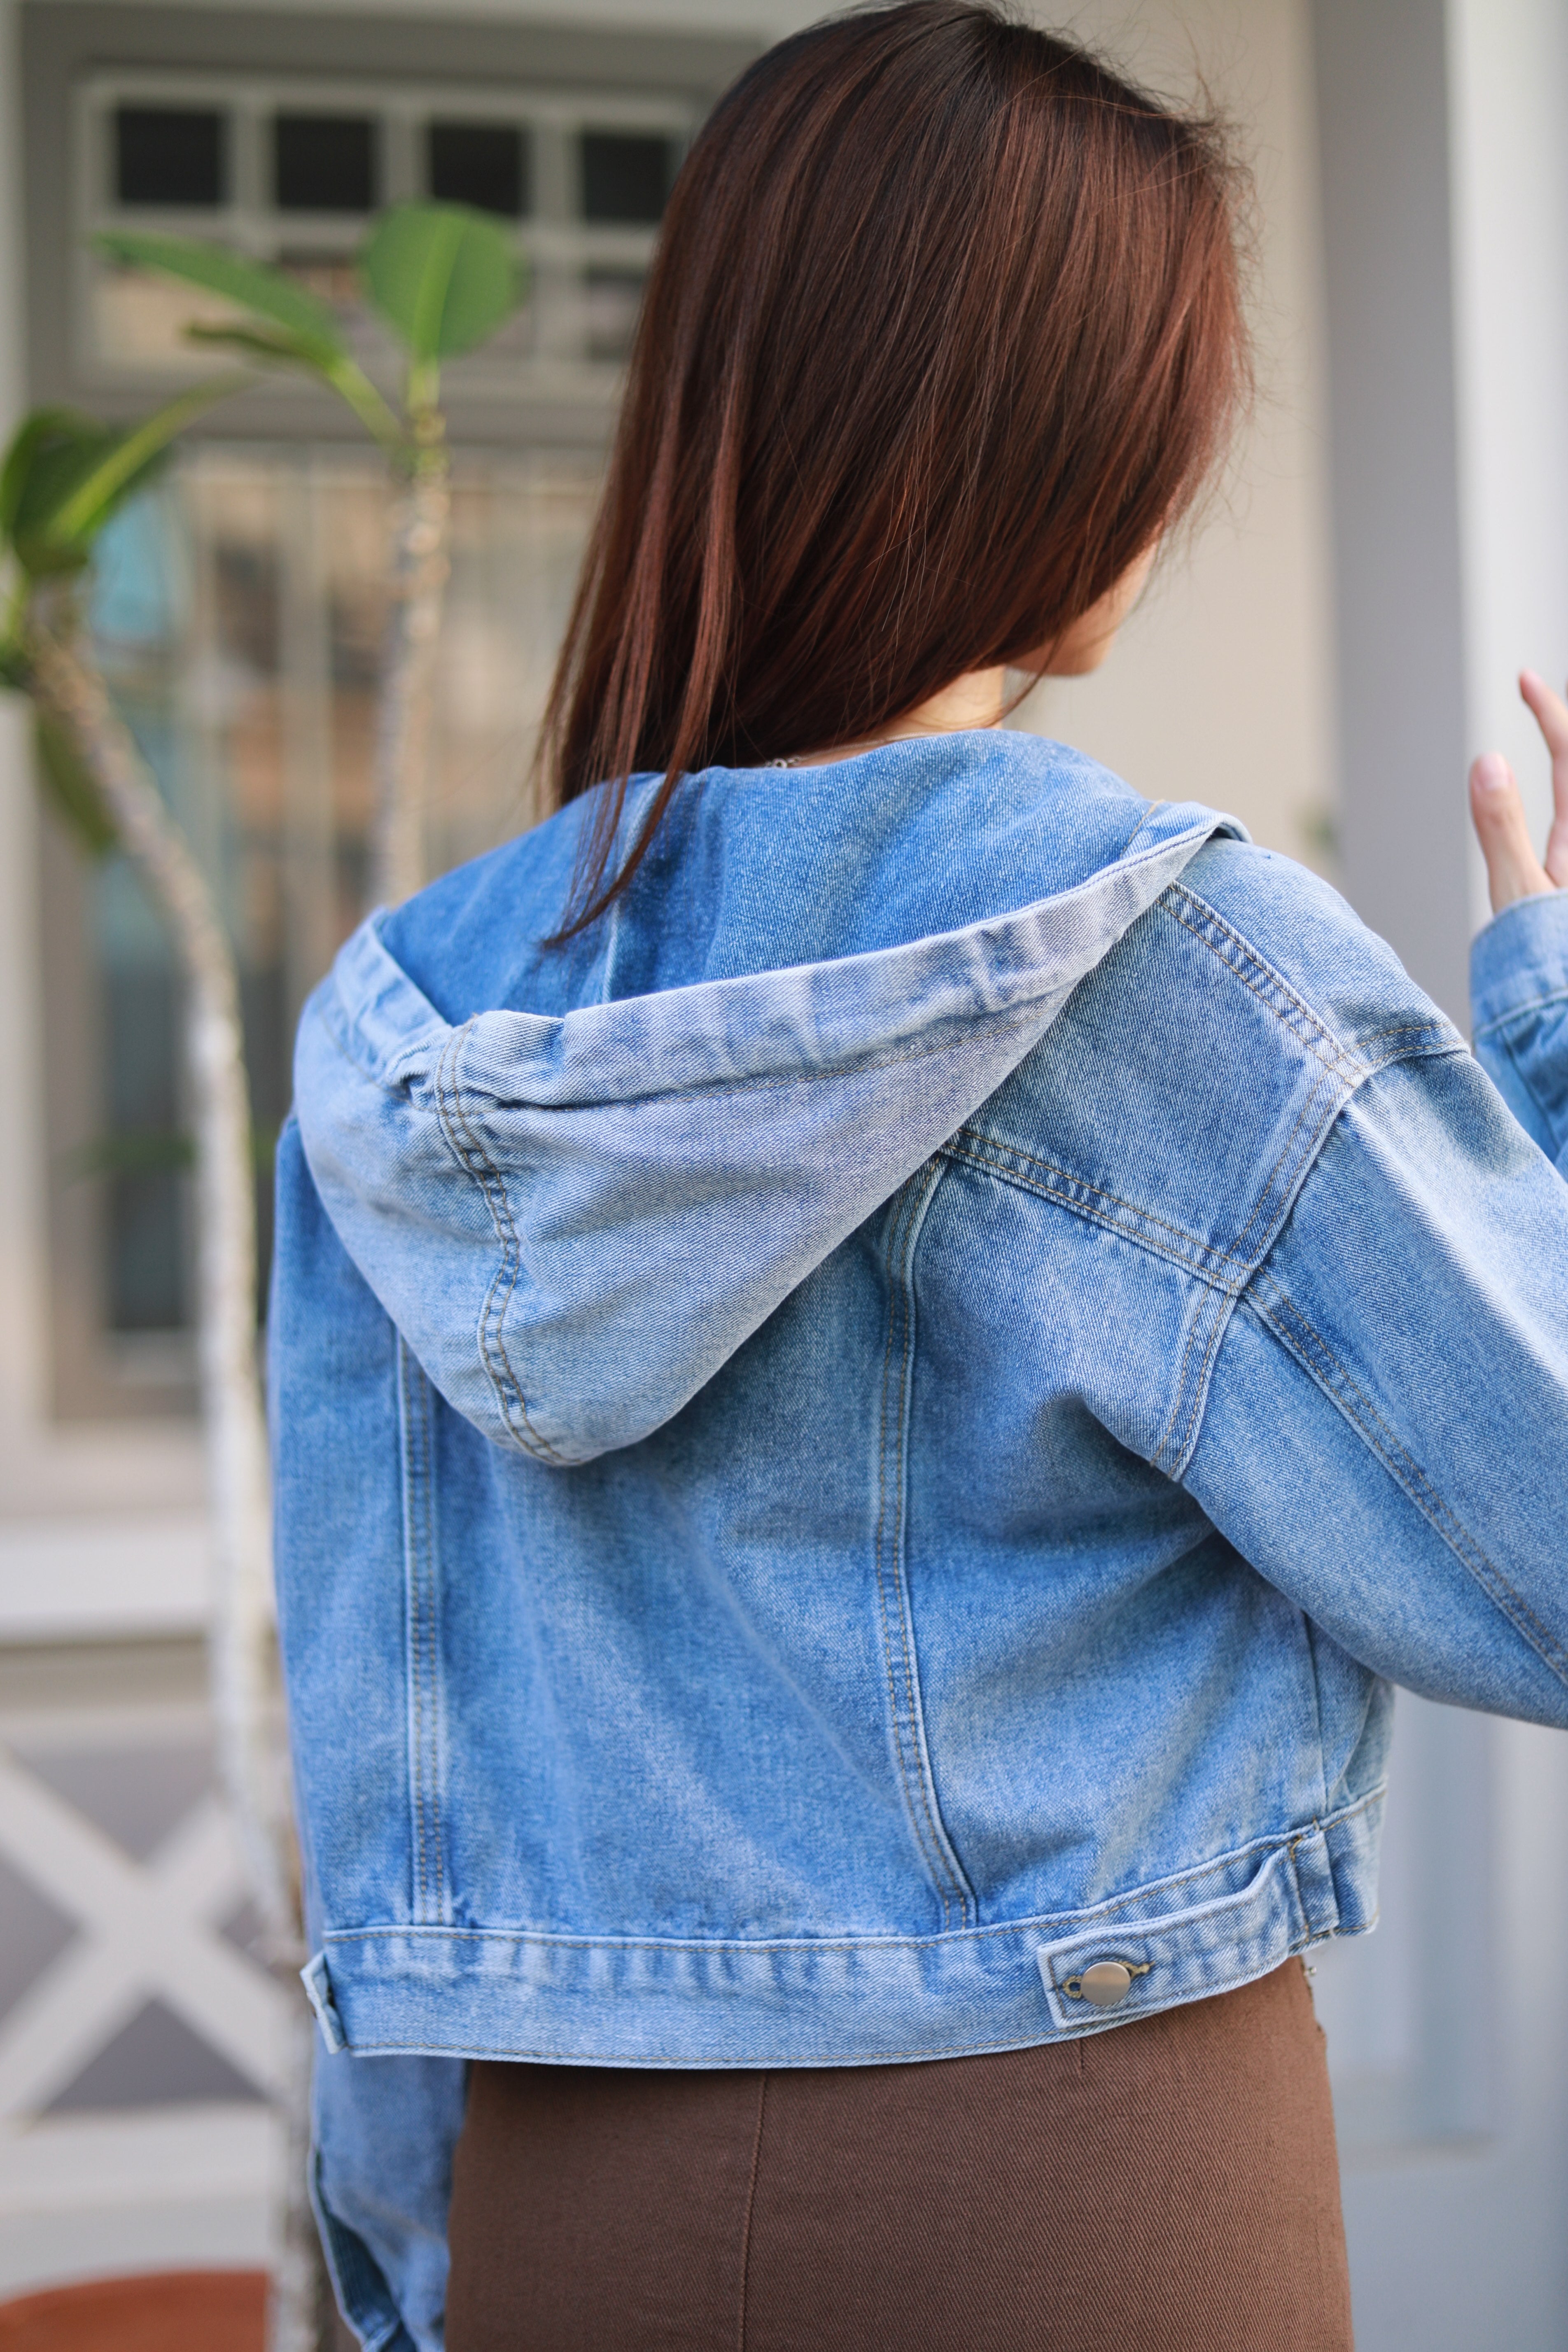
856	1448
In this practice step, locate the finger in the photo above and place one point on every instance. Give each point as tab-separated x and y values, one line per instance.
1513	869
1550	714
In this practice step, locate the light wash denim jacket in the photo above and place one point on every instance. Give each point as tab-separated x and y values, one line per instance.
863	1439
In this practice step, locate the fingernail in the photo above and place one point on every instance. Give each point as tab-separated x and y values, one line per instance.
1491	771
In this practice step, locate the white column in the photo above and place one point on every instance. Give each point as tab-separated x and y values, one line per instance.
1508	114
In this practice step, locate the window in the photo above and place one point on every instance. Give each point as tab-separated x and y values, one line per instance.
292	175
239	611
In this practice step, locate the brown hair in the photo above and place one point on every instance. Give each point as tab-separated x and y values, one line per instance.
945	327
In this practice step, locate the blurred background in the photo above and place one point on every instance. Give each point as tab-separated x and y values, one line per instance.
1321	656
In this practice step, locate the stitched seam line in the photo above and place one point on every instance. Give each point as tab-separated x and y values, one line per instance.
1067	1958
1194	1322
1291	1011
1043	1927
750	2204
1240	957
478	1165
1520	1011
498	1299
416	1692
1305	1633
946	1860
1285	1318
1212	1314
504	1272
432	1734
1276	1173
897	1311
878	1544
1446	1040
1219	1326
996	1159
780	2061
1277	1188
902	1725
421	1616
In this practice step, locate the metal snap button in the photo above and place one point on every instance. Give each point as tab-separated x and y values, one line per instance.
1105	1983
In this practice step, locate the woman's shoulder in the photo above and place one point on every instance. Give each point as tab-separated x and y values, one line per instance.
1214	1045
1185	1091
1284	938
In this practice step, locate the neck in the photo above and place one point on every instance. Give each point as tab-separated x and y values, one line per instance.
978	698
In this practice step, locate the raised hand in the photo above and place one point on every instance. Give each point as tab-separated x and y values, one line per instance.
1513	869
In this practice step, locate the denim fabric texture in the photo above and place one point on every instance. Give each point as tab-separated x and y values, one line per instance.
866	1435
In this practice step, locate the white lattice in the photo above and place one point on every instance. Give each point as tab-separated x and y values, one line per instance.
188	2183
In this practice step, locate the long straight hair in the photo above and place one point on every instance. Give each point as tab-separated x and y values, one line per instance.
945	327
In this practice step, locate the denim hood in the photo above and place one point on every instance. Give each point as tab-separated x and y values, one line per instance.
574	1221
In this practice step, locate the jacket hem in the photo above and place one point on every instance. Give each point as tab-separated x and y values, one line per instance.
866	2001
361	2293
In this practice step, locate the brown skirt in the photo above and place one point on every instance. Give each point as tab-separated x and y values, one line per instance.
1168	2186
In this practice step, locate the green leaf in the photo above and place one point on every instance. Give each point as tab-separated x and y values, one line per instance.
69	784
124	467
253	285
66	474
53	453
44	429
443	276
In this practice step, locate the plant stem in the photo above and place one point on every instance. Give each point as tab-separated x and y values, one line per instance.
67	686
405	709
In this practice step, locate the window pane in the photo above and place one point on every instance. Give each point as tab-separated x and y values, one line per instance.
479	163
170	155
239	609
142	1147
626	175
324	163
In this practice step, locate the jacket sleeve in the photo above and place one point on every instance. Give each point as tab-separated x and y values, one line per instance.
1385	1436
1519	988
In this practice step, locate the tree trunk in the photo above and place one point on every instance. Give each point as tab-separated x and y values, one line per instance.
243	1642
406	705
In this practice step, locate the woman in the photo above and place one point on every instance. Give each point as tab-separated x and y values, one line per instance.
880	1343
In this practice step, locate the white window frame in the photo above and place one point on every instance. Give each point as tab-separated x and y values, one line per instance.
557	244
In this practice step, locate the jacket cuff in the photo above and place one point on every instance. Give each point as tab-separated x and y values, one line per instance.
1520	959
